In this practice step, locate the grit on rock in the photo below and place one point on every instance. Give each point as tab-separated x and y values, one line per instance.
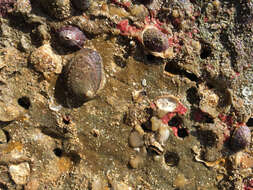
126	94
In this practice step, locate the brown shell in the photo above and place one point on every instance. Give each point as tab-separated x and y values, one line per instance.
84	74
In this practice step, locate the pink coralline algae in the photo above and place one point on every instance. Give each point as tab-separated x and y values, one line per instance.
5	6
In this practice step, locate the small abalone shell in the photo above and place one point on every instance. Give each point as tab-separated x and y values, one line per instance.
241	138
71	36
84	74
154	40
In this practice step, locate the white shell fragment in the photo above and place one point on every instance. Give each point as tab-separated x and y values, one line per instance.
166	104
19	173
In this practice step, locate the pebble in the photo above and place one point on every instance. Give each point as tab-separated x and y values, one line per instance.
19	173
135	139
136	162
144	82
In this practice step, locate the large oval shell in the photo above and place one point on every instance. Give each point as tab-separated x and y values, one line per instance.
84	74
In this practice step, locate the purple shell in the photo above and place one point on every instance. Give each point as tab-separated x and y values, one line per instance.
5	6
154	40
71	36
241	138
82	5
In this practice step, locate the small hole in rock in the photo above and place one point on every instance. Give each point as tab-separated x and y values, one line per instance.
205	52
171	158
7	134
120	61
24	102
173	68
182	132
66	120
250	122
58	152
175	122
150	57
192	96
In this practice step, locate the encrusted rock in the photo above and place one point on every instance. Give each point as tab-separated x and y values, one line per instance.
10	111
44	60
60	9
209	101
19	173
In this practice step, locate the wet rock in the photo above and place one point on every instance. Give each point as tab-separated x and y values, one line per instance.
212	154
20	173
44	60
